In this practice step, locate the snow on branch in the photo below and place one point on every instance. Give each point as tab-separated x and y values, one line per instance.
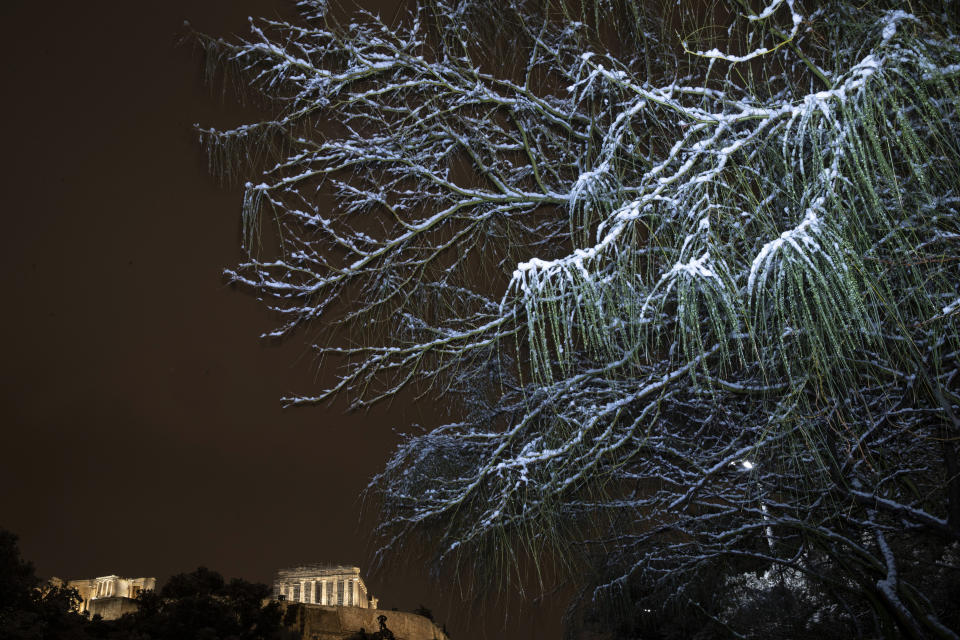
626	270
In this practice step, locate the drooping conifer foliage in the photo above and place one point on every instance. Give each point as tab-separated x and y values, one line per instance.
688	273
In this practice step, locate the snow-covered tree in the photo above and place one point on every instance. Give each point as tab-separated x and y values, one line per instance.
688	274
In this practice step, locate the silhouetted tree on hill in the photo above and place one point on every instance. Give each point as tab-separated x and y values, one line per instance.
423	611
31	609
201	604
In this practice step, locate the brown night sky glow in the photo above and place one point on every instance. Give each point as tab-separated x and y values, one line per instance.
142	427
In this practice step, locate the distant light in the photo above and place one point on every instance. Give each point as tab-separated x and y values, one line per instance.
747	465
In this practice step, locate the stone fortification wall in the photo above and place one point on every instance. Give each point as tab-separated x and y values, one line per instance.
318	622
112	608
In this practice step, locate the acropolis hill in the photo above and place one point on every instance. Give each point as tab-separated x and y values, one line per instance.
332	603
320	601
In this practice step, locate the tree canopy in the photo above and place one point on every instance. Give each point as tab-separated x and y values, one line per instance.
687	272
201	604
30	608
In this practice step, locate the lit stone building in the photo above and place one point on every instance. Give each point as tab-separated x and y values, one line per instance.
109	596
331	585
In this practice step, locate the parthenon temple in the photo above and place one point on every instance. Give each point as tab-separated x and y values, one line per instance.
324	584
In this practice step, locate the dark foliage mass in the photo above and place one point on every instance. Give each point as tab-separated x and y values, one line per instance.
29	608
200	604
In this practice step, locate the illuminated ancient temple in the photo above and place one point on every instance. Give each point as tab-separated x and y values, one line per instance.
108	596
324	584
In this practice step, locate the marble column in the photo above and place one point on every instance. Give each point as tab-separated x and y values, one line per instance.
323	592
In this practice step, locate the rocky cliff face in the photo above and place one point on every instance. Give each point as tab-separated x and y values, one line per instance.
318	622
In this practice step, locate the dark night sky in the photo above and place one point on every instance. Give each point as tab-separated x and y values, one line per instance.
142	428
